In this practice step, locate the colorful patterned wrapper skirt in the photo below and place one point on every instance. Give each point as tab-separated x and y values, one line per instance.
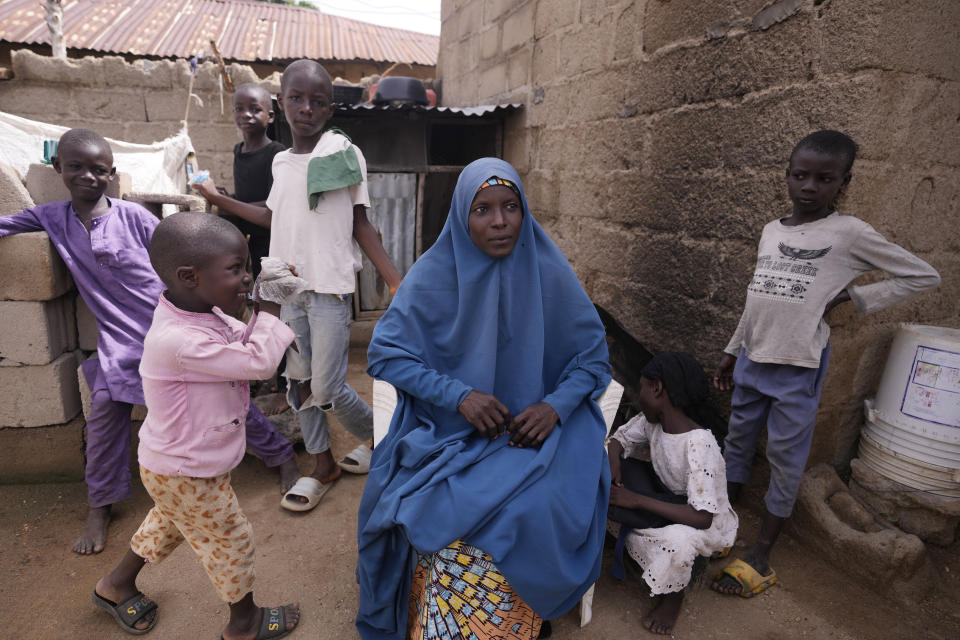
458	594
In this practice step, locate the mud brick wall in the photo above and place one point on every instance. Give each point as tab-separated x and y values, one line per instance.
143	101
655	136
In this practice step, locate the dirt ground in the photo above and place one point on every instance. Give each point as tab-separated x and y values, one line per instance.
45	588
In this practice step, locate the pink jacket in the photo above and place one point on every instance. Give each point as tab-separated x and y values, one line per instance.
195	370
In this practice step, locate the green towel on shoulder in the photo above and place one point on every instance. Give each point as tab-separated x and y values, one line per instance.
333	165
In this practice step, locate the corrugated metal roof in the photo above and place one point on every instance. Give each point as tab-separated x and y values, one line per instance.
244	30
477	111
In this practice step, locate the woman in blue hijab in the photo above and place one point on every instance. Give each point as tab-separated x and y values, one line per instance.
489	493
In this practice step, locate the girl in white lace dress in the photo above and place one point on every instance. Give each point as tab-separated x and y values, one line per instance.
669	495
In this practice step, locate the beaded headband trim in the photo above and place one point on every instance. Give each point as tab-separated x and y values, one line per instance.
494	181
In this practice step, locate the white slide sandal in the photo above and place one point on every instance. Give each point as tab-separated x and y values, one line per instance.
361	455
306	487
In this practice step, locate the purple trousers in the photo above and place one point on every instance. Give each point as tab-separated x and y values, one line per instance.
784	398
107	441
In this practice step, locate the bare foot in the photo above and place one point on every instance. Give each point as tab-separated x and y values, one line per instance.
247	629
94	535
326	472
116	593
728	585
289	473
276	404
662	617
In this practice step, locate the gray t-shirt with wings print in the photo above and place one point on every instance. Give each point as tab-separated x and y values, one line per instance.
801	268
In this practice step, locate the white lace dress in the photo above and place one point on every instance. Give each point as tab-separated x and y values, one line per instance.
688	463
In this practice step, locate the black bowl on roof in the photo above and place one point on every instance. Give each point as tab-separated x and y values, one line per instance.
400	90
347	93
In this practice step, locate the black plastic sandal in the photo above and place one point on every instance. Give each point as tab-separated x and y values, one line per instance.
273	624
128	612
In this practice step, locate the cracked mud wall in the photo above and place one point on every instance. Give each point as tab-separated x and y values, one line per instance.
143	101
655	135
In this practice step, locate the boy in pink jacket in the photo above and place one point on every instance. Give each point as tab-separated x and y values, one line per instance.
197	360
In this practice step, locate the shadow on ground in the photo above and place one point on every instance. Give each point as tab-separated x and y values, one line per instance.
310	558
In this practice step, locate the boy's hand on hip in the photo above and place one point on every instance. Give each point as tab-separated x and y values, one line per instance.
533	425
843	296
723	376
485	412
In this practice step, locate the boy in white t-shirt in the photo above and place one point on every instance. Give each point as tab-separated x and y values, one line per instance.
316	212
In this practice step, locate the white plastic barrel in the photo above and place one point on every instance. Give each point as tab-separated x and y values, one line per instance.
912	429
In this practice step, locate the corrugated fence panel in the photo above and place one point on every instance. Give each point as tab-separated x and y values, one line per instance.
393	211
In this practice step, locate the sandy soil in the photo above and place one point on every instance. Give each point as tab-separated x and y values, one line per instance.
45	588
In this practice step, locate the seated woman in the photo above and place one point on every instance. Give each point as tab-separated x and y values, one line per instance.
485	507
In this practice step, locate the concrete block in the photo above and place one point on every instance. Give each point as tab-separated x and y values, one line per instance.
57	103
14	196
751	62
138	414
114	104
44	184
553	15
42	454
150	132
40	395
31	269
154	202
493	9
911	37
665	23
164	107
36	333
587	48
828	518
214	137
518	27
490	42
518	69
545	59
87	331
492	83
628	37
150	74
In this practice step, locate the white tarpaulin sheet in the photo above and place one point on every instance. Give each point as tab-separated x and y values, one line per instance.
153	168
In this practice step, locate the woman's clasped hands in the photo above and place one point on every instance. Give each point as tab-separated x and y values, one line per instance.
530	428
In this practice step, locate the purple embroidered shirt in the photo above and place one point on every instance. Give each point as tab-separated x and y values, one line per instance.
111	268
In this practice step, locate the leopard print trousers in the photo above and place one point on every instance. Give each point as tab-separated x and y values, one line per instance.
205	513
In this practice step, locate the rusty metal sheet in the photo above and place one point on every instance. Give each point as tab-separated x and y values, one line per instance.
393	212
246	31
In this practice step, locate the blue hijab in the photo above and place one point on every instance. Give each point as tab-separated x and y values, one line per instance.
523	329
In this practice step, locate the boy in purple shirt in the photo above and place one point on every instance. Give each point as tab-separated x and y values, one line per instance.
104	244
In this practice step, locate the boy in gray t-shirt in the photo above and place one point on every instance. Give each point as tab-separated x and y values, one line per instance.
777	358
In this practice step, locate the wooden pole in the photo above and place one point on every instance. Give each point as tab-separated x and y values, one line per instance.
228	83
54	19
186	114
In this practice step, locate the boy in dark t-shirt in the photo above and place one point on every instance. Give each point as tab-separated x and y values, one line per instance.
252	181
252	162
